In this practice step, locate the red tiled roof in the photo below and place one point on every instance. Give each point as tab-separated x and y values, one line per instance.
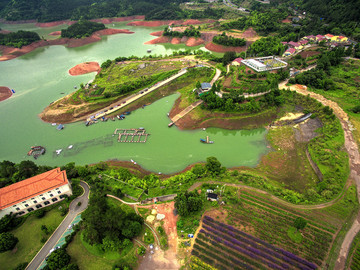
32	187
329	35
239	59
291	50
294	44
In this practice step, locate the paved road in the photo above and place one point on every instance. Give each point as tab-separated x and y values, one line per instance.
134	97
73	212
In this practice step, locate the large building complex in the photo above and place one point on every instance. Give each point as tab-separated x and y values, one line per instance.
34	193
264	63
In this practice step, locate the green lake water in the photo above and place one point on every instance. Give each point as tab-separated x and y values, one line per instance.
41	76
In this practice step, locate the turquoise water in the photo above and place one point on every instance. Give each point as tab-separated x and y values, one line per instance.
41	76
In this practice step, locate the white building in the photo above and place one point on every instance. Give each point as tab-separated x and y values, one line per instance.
34	193
267	63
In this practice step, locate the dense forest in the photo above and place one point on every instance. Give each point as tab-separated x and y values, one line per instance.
225	40
19	38
54	10
81	29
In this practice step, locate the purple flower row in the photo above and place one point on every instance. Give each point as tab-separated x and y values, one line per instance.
255	245
255	257
253	250
280	250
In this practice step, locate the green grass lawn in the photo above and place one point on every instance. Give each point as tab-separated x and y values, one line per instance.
29	235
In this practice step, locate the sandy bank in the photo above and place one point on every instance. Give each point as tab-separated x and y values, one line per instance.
5	93
167	22
56	33
84	68
157	34
191	42
222	49
11	53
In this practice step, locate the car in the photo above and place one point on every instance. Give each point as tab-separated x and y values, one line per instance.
146	89
105	110
124	101
142	92
111	108
53	249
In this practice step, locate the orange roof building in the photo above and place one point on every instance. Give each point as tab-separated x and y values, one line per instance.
34	193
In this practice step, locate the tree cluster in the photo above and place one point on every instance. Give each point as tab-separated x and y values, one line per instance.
109	226
225	40
11	173
266	46
81	29
7	241
18	39
189	32
319	76
188	202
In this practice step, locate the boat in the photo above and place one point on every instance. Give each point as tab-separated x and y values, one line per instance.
87	123
13	91
58	151
141	128
149	50
171	124
206	140
53	124
60	127
127	113
70	146
36	151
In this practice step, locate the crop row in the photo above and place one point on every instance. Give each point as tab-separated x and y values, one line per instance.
222	257
280	212
207	237
274	229
197	264
221	262
295	214
273	224
255	253
221	227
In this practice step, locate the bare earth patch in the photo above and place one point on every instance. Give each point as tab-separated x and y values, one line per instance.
85	68
5	93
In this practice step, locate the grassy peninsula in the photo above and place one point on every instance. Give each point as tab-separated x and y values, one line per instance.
19	38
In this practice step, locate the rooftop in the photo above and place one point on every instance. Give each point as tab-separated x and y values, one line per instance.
32	187
205	85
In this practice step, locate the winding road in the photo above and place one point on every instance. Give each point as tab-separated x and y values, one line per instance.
74	210
354	160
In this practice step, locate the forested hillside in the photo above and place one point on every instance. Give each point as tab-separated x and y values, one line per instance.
52	10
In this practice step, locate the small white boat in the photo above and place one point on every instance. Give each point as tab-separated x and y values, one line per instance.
58	151
70	146
53	124
132	160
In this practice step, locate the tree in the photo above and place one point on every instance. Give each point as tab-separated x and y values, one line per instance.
27	169
7	241
58	259
300	223
213	166
188	202
7	169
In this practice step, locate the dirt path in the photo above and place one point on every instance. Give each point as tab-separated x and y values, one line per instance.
354	160
273	197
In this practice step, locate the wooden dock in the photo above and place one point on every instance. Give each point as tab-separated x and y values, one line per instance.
133	135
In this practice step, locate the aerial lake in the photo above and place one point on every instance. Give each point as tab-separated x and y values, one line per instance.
41	77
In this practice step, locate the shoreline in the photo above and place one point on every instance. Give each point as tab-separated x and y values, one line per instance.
5	93
9	53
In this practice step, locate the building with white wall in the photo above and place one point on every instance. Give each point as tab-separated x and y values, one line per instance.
34	193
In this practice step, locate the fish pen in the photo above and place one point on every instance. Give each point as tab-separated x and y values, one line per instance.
133	135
